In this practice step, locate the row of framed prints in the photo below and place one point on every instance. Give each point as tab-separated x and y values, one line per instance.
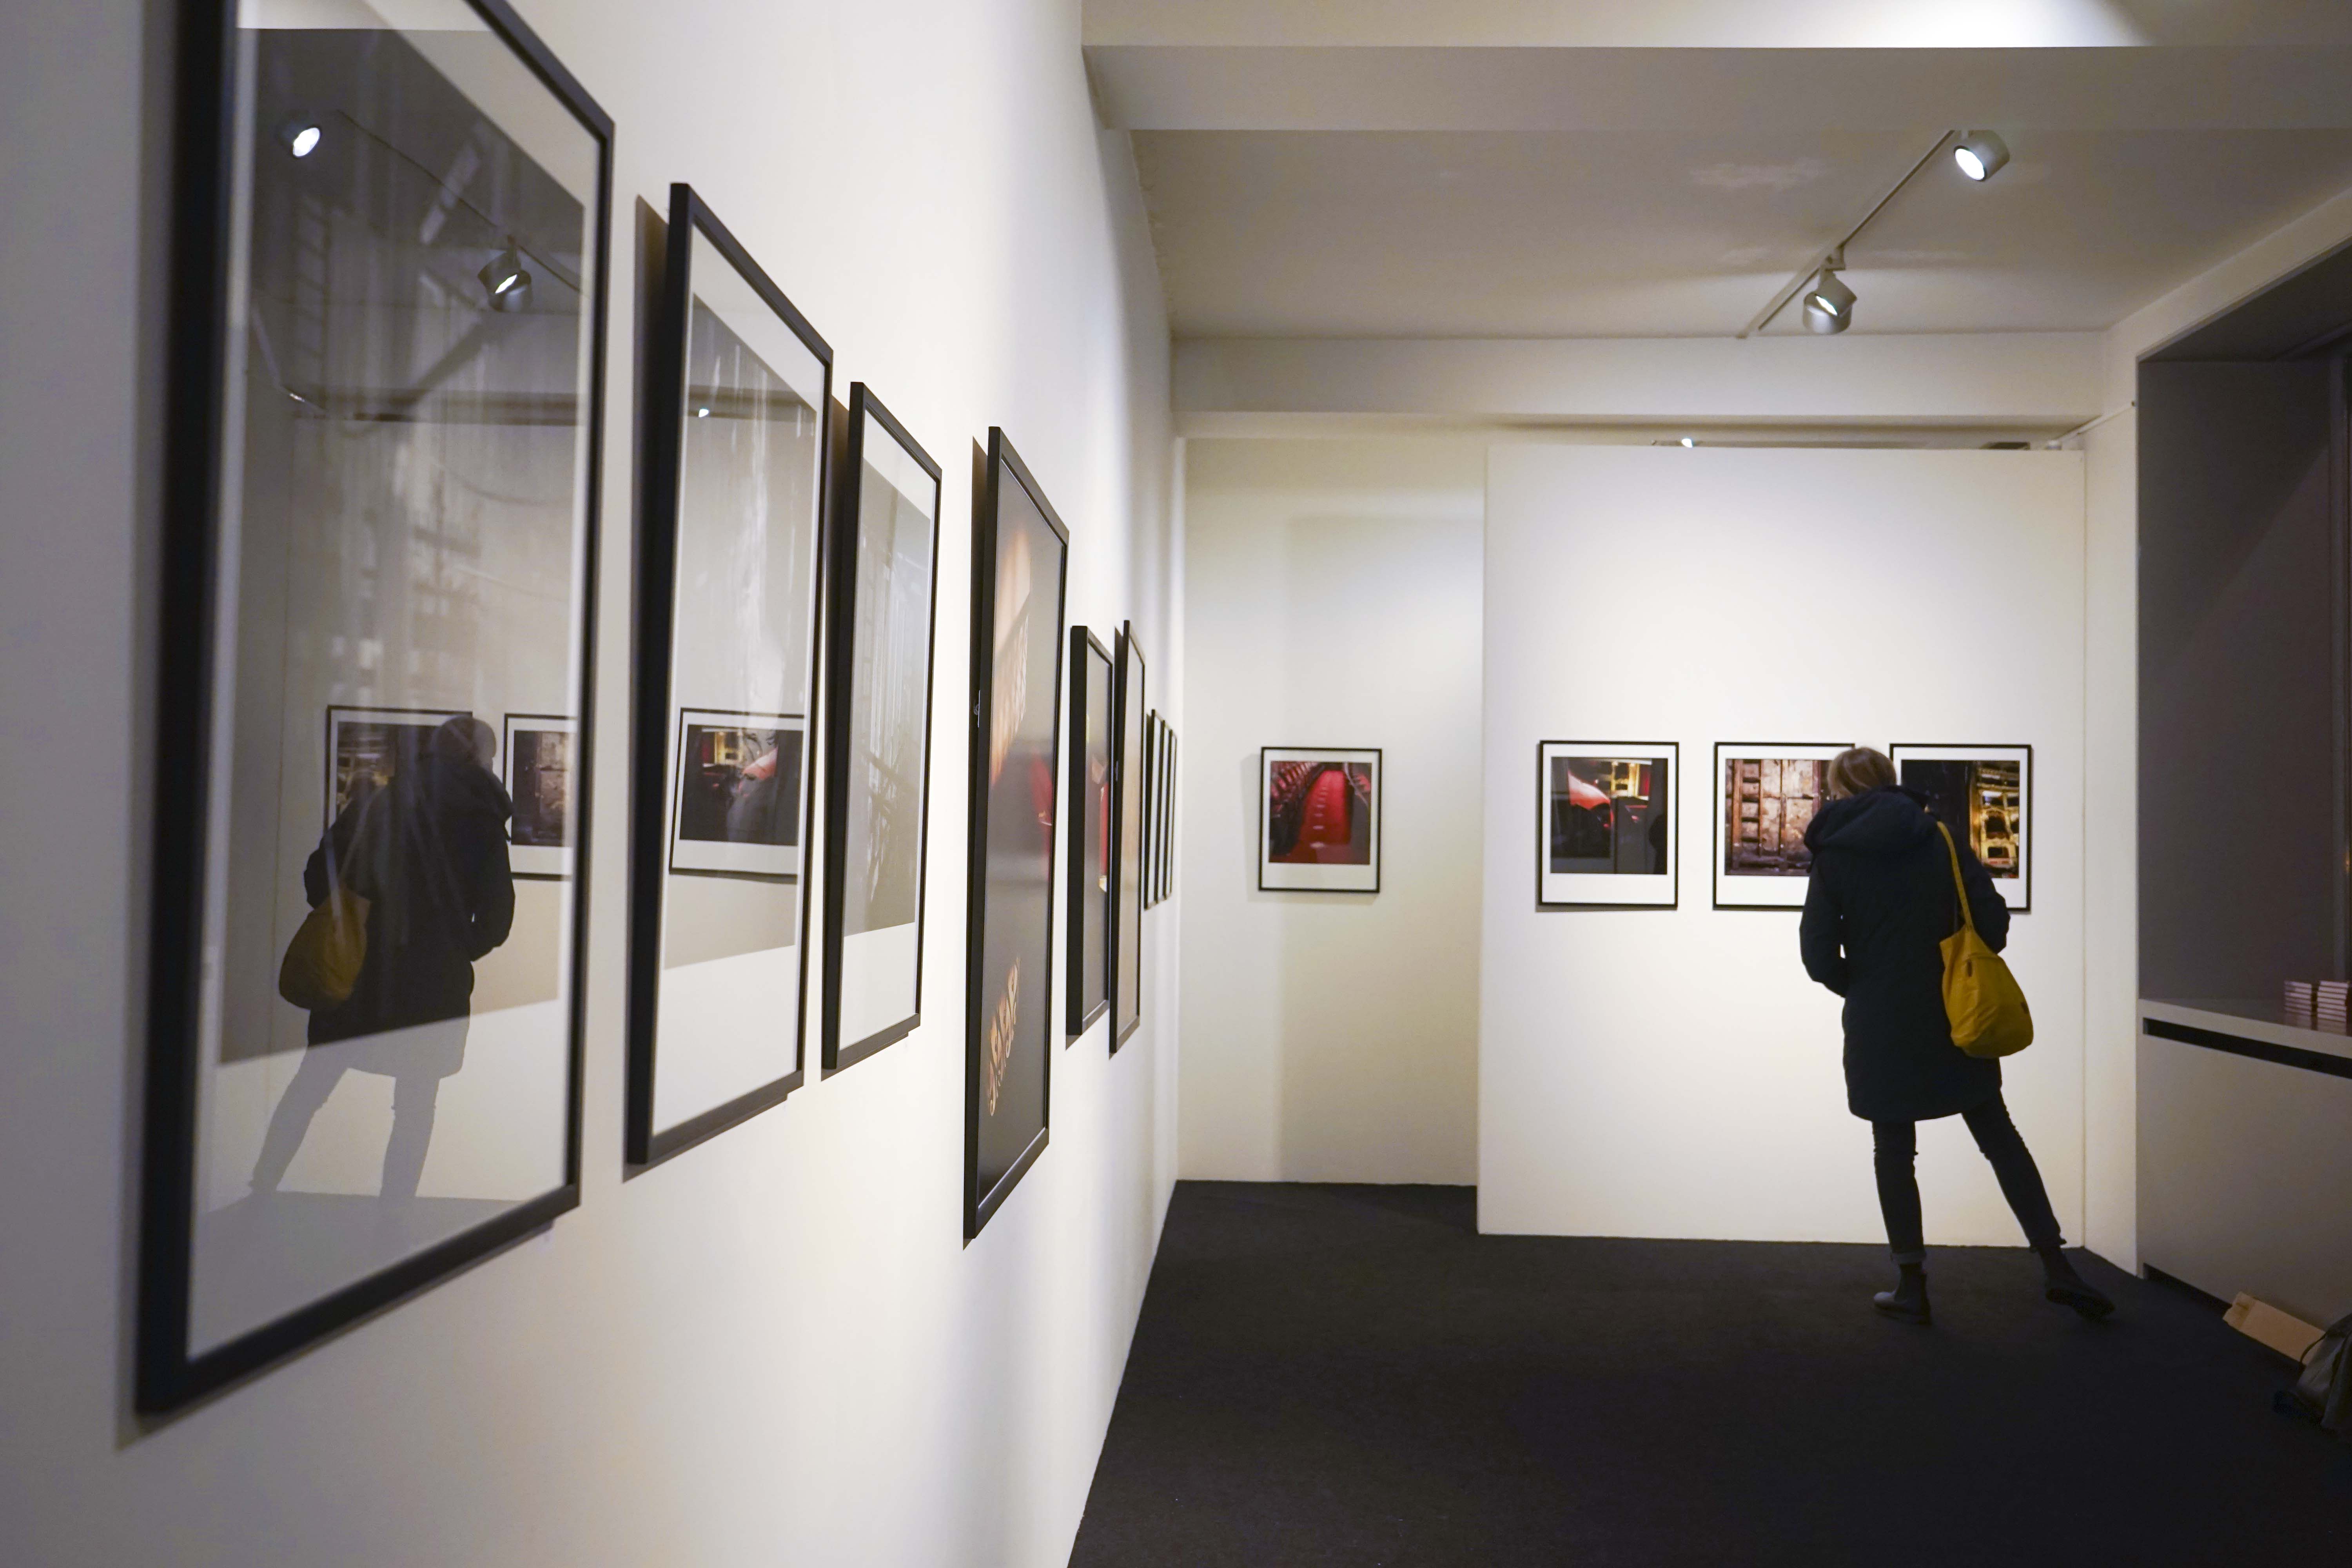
1607	831
384	410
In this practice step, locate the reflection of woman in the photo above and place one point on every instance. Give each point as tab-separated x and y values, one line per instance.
1879	903
756	810
429	853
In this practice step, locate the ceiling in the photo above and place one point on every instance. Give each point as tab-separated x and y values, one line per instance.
1659	233
1377	179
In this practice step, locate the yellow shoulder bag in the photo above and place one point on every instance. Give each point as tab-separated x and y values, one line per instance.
322	960
1982	997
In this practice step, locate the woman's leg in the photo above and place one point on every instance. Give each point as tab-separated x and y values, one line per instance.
2021	1183
2012	1163
314	1079
1894	1148
414	1095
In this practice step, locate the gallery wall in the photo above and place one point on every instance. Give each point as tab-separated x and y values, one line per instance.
1332	599
776	1347
1673	1073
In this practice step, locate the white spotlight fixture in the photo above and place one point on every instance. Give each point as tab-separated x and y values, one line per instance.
1980	154
506	280
1689	441
302	136
1829	303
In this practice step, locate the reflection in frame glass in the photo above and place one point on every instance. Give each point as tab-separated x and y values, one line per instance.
384	394
878	725
1606	832
1985	796
540	754
1093	843
1128	722
727	601
1020	559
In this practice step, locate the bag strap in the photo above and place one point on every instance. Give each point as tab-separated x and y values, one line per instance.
1967	918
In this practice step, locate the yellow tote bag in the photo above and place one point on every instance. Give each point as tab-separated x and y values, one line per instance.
322	963
1982	997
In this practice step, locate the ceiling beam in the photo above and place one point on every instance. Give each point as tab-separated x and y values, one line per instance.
1155	87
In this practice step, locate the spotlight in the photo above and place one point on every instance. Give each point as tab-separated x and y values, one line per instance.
1829	303
1980	154
1687	441
302	136
702	413
505	280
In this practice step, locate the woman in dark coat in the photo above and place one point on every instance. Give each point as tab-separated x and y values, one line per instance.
1878	908
428	851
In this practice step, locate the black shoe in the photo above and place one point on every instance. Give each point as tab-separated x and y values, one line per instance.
2062	1285
1908	1302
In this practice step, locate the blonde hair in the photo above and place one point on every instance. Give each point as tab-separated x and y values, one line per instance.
1858	770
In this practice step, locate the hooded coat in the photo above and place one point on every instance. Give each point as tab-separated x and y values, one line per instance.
428	851
1878	906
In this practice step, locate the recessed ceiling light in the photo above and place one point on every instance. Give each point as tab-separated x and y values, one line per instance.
1980	154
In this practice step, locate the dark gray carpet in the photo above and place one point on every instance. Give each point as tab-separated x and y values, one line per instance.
1351	1376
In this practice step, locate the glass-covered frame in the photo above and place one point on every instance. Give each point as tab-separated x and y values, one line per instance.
1129	841
1094	790
698	466
1012	839
881	603
228	78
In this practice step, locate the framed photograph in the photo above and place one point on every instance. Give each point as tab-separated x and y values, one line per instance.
877	729
738	779
1151	742
366	746
538	753
1020	561
1985	796
382	401
733	476
1765	798
1129	843
1605	826
1318	819
1092	844
1169	757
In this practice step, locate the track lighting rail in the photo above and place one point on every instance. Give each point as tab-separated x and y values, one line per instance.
1826	253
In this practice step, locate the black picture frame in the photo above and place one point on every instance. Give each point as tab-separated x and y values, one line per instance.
1092	819
1668	752
165	1375
1150	808
1130	840
1167	825
842	671
985	1192
1908	751
1367	884
1788	892
661	479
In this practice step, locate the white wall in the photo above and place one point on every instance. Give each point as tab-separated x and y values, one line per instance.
2111	840
1332	599
775	1348
1676	1073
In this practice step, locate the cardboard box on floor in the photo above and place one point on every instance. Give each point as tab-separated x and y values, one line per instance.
2282	1331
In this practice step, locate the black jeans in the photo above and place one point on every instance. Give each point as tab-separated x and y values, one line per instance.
1898	1145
